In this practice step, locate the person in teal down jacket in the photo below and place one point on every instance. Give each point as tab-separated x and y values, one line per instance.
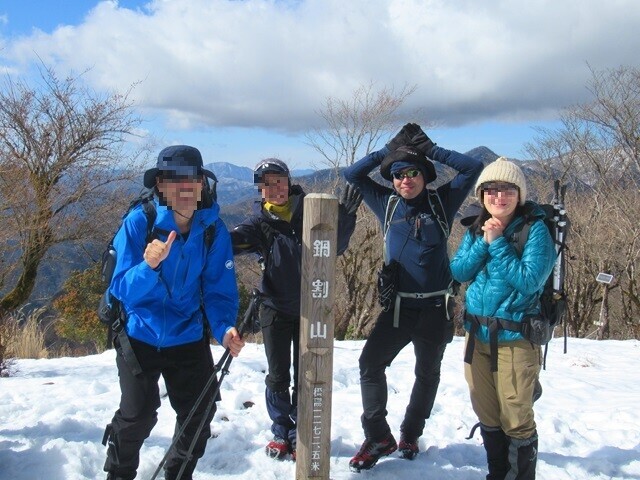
502	366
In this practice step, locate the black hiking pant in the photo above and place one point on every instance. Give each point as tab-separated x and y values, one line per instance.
429	331
280	333
186	370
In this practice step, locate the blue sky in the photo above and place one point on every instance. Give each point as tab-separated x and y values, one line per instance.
244	79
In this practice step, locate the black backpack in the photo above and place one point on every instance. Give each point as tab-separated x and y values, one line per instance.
553	300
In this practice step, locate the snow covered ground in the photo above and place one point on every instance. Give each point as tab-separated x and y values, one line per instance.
53	414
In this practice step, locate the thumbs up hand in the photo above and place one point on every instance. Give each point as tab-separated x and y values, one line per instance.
158	250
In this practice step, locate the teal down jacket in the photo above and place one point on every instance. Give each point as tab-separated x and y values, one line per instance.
163	305
503	284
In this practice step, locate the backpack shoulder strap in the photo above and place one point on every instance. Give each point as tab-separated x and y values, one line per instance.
149	209
392	204
520	237
435	202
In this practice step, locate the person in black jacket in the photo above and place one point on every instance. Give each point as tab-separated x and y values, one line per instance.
274	232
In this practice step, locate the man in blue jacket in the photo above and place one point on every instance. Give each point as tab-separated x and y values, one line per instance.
170	288
416	223
274	232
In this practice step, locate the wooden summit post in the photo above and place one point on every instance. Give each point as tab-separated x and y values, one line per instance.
315	377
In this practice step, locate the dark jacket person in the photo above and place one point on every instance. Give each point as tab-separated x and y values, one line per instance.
274	232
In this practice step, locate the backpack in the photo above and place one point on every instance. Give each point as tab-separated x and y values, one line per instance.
110	311
553	300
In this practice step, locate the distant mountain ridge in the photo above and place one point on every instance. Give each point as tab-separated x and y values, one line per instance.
484	154
235	183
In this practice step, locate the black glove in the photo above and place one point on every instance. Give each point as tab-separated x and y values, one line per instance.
351	199
252	316
420	140
403	137
269	234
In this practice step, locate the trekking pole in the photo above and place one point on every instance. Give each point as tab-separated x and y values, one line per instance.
223	367
560	219
563	235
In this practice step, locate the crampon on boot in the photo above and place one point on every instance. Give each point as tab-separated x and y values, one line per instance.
408	447
371	451
278	448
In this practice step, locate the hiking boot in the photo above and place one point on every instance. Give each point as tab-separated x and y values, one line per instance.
278	448
115	476
371	451
174	475
408	447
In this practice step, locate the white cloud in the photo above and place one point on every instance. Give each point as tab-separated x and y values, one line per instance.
270	63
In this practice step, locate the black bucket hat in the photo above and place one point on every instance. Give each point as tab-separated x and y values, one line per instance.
408	155
177	160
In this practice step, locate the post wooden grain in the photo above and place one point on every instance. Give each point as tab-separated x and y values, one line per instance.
320	225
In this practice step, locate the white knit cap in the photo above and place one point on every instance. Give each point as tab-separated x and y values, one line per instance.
502	170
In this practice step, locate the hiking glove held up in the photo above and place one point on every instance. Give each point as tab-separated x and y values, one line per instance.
420	140
403	137
351	199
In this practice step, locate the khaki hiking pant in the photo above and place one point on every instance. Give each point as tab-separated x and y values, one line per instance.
505	398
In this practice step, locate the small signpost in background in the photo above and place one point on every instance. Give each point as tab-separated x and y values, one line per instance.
603	322
313	445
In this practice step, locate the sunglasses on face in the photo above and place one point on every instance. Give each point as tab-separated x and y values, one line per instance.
506	189
414	172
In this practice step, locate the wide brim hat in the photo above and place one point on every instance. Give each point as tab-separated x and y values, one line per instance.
408	156
178	161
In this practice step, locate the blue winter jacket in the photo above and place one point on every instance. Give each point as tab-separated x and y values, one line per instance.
503	284
415	239
163	305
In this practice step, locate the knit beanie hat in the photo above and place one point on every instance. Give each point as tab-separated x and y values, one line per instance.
502	170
